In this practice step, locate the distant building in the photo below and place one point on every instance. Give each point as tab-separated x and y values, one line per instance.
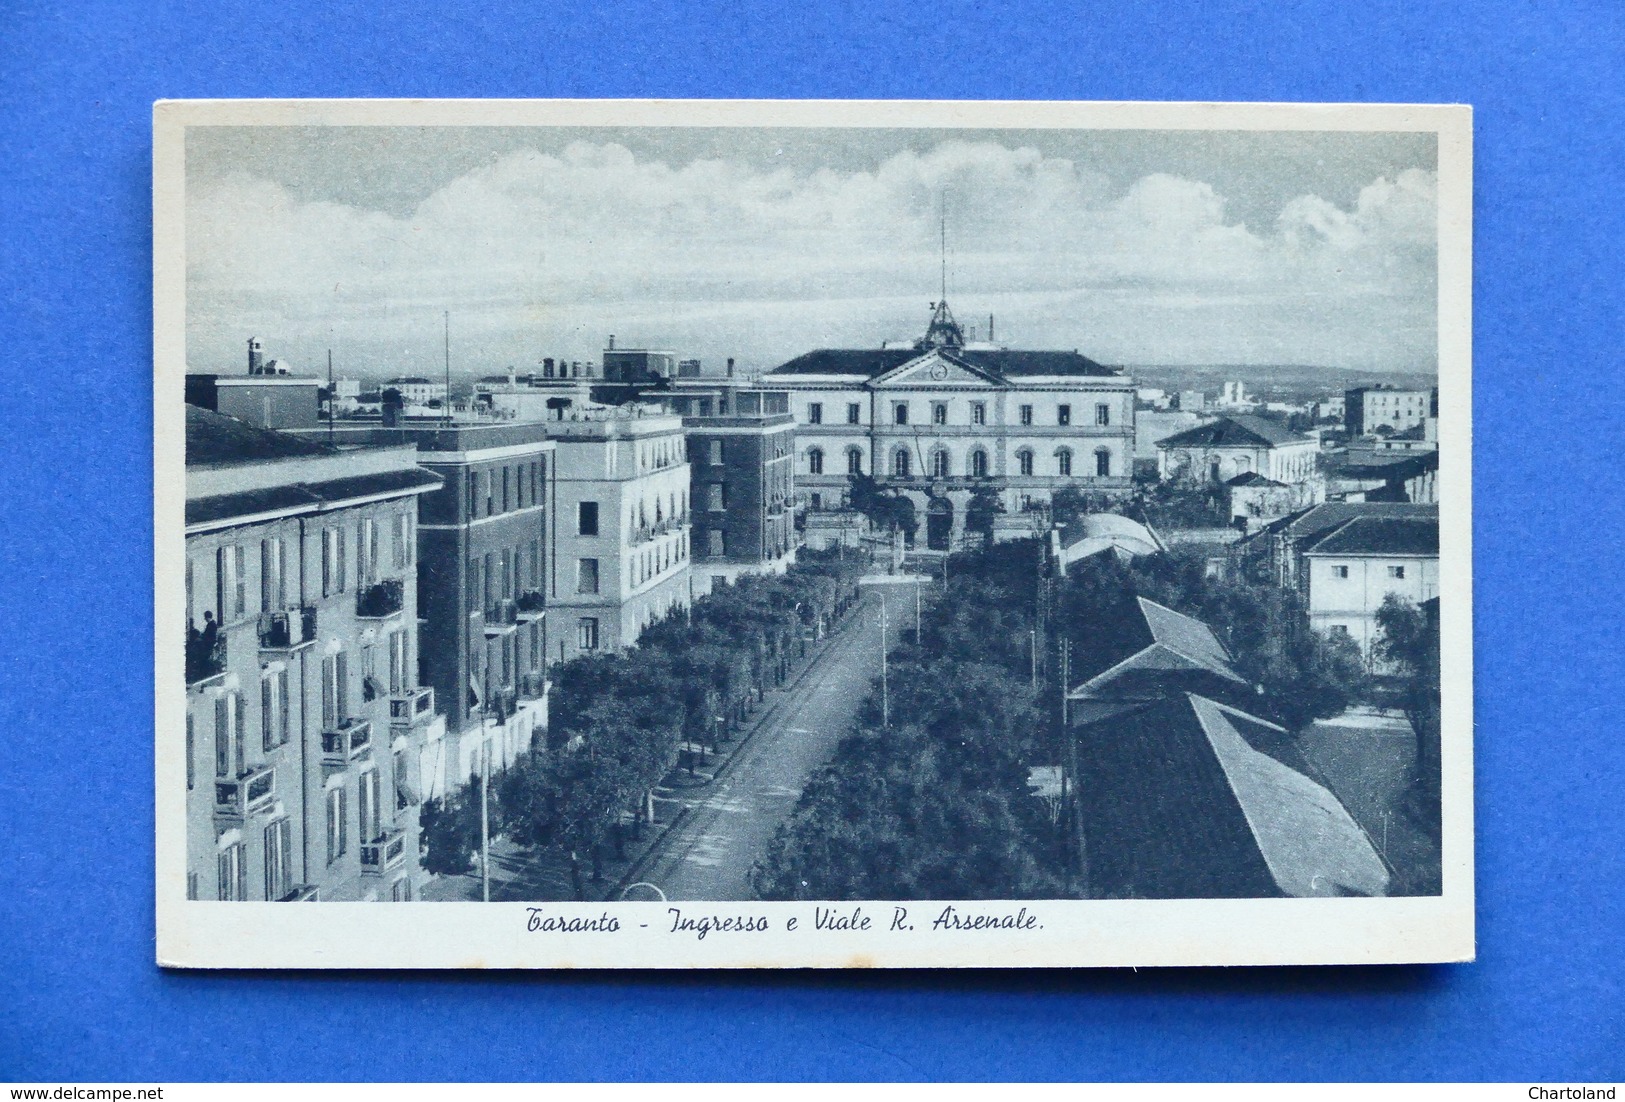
1352	568
1368	408
1329	409
1153	426
1191	401
1251	500
1276	551
1152	397
741	456
1233	395
309	740
415	390
944	417
1237	444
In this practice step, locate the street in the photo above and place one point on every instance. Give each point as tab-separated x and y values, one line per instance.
708	856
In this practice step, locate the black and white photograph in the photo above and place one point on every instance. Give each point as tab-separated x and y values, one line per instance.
798	534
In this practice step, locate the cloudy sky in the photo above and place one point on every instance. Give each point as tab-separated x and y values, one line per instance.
1135	247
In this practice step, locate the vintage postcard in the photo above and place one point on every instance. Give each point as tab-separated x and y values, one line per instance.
812	534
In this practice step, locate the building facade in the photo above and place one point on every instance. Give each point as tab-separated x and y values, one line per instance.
307	729
1238	444
943	418
1368	408
620	526
415	390
1350	570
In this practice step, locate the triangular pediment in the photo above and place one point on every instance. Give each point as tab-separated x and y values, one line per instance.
935	368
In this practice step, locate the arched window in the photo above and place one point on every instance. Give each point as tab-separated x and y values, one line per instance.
815	460
1103	462
854	460
1024	461
978	463
1063	462
899	463
939	464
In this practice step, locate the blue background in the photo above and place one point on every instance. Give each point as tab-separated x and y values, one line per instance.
80	998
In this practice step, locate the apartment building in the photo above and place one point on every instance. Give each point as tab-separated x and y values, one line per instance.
307	729
619	526
1368	408
1351	569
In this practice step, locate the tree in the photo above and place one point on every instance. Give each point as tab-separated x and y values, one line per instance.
984	507
884	508
1409	644
449	831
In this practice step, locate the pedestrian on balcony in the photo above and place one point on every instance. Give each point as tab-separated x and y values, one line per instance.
210	635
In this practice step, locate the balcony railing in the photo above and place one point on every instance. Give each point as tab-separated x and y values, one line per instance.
302	893
384	854
350	741
533	686
380	600
504	611
204	660
531	605
245	796
411	707
286	631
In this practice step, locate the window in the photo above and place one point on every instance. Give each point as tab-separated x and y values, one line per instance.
587	633
1396	571
715	448
1063	414
815	413
332	561
587	576
939	464
978	413
587	518
854	461
899	463
233	585
488	479
401	891
229	759
1063	462
717	544
1103	414
367	552
1340	571
714	498
899	413
1338	631
473	504
400	536
335	690
815	460
1026	415
1024	462
370	818
853	413
233	868
191	754
274	708
1103	463
978	464
505	480
817	502
338	834
278	859
939	413
397	662
273	586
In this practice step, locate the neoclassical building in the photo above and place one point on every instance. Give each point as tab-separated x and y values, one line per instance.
943	417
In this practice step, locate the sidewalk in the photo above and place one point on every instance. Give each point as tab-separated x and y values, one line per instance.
520	873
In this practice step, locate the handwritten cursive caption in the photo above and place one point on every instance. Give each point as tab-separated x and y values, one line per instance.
700	922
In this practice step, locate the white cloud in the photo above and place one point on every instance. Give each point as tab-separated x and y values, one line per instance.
534	252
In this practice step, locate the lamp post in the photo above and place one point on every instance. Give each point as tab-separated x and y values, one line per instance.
885	694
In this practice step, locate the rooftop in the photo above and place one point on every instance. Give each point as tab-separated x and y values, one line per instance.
1236	430
1005	363
214	439
1379	536
1252	478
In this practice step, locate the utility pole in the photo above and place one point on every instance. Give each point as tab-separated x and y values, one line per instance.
1034	636
885	694
445	408
332	398
485	801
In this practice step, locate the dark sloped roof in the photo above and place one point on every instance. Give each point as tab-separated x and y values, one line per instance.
1184	805
1311	522
315	495
215	439
1379	536
1149	651
1238	430
1252	478
1185	634
871	362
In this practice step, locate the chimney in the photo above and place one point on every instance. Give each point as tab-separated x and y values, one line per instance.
547	367
730	367
990	328
612	342
256	356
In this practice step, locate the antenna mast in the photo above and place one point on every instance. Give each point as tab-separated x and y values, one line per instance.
332	397
445	403
944	228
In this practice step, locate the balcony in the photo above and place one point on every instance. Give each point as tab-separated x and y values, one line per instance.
246	796
530	605
380	600
302	893
409	708
204	662
288	631
533	686
384	854
350	741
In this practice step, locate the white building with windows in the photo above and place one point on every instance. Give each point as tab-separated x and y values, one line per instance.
943	418
620	526
1239	444
1352	568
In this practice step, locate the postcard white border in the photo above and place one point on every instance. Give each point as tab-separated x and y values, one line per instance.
1069	933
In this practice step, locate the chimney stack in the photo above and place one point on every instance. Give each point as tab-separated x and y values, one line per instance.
612	342
730	367
990	328
256	356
